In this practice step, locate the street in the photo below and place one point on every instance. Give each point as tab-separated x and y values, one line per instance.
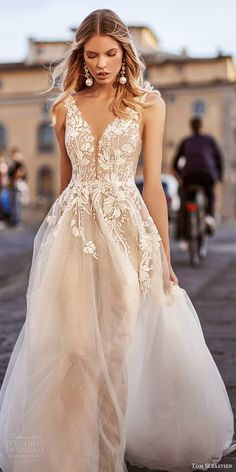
211	287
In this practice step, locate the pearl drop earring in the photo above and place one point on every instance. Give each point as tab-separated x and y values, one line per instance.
89	79
122	78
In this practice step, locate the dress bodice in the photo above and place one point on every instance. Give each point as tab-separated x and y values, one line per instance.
102	189
114	157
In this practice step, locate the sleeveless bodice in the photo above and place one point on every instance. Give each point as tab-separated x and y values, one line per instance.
102	190
113	158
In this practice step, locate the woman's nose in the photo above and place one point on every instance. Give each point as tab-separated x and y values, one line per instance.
101	61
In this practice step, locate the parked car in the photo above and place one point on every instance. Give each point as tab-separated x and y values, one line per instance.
170	187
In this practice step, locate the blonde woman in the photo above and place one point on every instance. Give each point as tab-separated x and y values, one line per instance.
111	363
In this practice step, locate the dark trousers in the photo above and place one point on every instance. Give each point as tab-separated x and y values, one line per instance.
208	184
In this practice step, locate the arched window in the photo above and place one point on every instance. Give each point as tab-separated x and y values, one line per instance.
45	183
199	107
3	137
45	108
45	137
145	74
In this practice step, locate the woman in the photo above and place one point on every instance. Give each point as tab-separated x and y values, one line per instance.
111	361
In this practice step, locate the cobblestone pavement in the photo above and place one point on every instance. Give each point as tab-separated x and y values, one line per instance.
211	287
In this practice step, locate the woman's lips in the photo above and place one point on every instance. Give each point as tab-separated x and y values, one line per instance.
103	75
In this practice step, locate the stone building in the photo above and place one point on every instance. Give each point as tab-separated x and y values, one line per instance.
189	85
205	87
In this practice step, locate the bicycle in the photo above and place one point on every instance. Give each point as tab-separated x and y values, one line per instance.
192	222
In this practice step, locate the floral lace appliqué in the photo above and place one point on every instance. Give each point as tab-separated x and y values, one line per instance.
103	187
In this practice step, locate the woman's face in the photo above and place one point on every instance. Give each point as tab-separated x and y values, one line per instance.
103	54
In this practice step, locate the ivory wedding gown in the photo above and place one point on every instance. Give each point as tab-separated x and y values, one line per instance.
111	361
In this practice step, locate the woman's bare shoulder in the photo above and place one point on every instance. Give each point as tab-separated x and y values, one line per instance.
60	115
153	97
155	102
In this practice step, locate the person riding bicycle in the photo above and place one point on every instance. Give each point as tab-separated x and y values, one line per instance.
199	161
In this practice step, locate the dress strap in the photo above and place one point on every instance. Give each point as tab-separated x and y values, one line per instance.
68	103
143	97
71	107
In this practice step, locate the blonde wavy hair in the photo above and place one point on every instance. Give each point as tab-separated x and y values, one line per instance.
68	74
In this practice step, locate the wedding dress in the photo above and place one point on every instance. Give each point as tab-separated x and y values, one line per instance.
111	362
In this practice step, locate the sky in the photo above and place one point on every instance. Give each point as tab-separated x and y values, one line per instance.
203	27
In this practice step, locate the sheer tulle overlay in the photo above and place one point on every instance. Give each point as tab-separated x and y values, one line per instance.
111	362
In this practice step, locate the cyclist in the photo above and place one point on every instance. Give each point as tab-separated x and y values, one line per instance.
199	161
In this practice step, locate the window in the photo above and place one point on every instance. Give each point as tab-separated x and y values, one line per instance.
199	107
145	74
45	107
179	67
170	144
172	97
45	182
45	137
39	50
3	137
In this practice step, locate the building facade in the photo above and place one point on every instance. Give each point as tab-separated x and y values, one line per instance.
207	88
189	86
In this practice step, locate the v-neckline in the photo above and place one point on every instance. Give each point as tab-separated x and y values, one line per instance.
107	127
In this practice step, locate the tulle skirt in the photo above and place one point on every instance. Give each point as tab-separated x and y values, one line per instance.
111	361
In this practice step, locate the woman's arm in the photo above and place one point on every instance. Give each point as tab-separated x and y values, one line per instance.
153	193
65	163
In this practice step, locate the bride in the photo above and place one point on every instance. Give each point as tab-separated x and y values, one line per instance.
111	365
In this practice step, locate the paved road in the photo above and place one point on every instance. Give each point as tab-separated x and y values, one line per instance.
210	286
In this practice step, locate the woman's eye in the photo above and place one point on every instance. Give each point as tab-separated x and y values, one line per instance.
109	54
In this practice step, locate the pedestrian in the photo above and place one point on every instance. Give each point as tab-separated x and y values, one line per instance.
17	185
5	208
15	173
111	362
15	154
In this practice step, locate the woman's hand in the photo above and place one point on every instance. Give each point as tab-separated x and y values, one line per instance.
173	276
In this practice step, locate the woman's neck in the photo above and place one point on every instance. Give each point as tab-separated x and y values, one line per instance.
103	91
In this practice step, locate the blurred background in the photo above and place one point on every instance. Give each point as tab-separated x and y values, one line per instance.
189	49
